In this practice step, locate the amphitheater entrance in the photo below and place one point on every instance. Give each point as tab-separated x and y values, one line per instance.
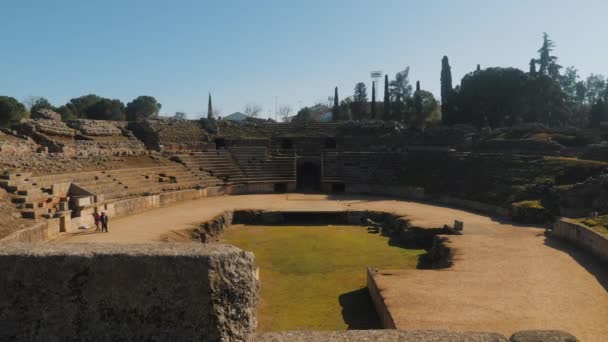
308	177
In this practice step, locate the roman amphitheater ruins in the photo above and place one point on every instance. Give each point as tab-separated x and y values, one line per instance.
493	226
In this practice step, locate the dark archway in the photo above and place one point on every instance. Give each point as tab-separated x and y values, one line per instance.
309	177
286	144
220	143
330	143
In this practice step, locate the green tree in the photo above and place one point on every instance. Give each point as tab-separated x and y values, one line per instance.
505	96
400	88
595	86
446	89
359	101
373	109
345	109
106	109
142	108
568	82
387	100
547	62
79	106
40	103
303	116
66	113
11	111
598	113
180	116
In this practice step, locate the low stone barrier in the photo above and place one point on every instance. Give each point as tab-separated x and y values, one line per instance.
381	309
111	292
382	336
39	232
582	236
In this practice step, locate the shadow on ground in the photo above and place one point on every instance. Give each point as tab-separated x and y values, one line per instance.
358	310
584	258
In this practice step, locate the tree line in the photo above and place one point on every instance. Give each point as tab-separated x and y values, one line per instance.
547	93
84	107
402	102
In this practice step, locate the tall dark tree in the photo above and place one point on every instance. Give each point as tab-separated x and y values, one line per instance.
373	109
209	109
359	101
143	107
533	67
335	111
446	90
547	63
478	67
418	100
387	100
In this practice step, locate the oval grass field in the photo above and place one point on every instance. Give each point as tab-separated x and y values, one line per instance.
314	277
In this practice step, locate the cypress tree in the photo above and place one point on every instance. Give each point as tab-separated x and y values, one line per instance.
446	90
373	100
533	67
336	110
418	105
209	109
387	100
478	68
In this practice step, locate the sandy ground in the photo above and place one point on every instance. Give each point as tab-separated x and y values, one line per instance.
505	278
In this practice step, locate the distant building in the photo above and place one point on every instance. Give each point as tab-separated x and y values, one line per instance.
236	116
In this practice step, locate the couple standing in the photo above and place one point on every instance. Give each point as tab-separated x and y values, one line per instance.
103	219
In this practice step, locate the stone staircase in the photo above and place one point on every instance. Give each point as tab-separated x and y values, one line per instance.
260	166
218	163
361	167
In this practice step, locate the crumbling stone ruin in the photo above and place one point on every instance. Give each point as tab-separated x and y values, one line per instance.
164	155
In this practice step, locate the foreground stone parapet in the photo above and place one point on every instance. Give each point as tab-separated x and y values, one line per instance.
543	336
381	336
126	292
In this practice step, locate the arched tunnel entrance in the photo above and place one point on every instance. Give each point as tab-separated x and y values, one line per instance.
309	177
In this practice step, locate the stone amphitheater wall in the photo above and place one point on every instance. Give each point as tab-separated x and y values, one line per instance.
582	236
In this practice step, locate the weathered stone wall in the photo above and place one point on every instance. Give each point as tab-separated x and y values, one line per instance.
582	236
169	134
38	232
158	292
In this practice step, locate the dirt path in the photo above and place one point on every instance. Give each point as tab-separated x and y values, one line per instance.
505	278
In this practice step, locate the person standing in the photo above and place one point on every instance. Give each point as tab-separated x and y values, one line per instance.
104	222
97	219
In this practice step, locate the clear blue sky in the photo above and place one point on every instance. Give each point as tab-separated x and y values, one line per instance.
251	51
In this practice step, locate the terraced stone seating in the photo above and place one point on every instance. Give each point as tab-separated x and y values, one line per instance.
263	129
332	170
41	196
361	167
260	166
219	164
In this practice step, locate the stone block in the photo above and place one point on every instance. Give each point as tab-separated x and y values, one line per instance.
108	292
